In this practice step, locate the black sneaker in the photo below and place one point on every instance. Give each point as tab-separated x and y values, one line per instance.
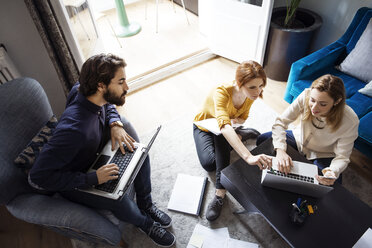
159	216
159	235
214	208
247	133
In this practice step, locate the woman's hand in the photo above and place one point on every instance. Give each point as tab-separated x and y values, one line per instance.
328	178
237	121
263	161
118	135
107	172
284	161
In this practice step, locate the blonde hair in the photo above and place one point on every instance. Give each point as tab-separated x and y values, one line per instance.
249	70
334	87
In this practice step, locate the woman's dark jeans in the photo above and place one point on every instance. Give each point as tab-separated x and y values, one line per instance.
213	152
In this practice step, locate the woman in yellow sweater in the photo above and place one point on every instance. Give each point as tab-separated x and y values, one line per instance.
229	103
326	133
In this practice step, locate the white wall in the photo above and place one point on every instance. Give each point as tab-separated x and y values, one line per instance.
336	15
22	40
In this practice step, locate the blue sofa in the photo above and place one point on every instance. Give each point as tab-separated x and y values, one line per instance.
304	71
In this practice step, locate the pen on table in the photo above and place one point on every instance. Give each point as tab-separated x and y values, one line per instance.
299	201
294	205
303	203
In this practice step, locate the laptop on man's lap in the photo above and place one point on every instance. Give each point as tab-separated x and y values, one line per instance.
129	165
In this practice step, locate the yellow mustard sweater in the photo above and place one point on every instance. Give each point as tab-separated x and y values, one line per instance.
219	105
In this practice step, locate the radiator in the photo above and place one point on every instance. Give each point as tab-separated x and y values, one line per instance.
8	71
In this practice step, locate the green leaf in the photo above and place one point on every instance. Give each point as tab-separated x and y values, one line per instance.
291	12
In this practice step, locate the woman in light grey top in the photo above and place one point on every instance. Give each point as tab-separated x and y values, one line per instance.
327	130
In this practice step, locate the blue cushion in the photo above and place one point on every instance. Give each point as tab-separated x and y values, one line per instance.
365	128
299	86
352	85
361	104
27	157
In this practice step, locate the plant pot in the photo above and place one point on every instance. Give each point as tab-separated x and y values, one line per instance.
287	45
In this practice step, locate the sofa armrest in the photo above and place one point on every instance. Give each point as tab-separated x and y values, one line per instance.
313	63
345	38
70	218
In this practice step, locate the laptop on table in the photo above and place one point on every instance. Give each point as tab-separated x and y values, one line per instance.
301	179
129	165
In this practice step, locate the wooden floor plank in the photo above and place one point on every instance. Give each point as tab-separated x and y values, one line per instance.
16	233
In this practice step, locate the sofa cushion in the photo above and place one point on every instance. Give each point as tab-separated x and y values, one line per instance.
299	86
365	128
352	84
358	62
361	104
27	157
367	90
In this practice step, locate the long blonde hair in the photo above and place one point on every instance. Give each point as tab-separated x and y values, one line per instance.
249	70
334	87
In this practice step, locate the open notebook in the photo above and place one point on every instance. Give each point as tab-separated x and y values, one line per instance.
212	126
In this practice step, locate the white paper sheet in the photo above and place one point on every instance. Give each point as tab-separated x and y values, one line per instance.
212	125
235	243
365	241
212	238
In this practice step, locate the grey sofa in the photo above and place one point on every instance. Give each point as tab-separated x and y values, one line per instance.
24	109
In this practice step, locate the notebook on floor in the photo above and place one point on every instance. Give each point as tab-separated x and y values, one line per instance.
301	179
187	194
129	164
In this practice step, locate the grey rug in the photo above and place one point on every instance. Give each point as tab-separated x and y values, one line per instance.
174	152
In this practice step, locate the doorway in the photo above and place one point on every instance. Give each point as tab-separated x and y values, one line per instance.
170	39
145	52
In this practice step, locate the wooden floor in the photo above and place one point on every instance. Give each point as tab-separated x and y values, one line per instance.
184	93
15	233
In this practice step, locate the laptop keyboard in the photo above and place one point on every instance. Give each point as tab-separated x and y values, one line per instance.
291	175
122	161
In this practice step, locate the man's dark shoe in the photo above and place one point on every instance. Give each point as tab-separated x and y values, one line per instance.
159	216
247	133
214	208
159	235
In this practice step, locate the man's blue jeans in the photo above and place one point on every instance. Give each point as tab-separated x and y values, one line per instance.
124	209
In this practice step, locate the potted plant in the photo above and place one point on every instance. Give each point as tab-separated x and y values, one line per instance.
291	31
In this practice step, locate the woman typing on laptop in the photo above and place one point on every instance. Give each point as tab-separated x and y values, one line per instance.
327	130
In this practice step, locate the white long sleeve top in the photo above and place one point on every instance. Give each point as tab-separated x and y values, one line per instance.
318	143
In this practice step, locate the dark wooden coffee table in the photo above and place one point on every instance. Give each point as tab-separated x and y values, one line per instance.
341	218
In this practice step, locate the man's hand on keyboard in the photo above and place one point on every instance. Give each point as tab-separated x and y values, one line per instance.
118	135
107	172
285	163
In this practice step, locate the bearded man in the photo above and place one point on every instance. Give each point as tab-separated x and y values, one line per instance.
88	122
